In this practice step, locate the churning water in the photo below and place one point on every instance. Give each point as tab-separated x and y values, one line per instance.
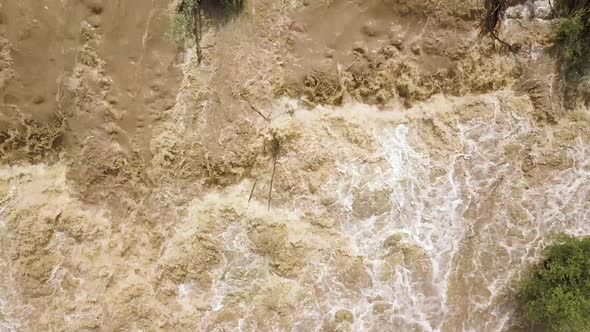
443	237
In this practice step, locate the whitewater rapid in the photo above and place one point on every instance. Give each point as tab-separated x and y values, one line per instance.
458	230
419	219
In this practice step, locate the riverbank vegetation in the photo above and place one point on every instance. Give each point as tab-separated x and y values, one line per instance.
556	294
572	32
187	22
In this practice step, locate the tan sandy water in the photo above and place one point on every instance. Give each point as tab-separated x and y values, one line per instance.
420	170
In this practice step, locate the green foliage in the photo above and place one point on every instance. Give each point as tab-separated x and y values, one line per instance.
568	7
180	28
556	295
181	23
572	32
231	6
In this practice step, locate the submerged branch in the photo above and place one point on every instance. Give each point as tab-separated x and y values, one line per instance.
492	22
274	150
252	191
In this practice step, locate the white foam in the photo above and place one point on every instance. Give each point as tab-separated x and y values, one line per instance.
466	233
431	215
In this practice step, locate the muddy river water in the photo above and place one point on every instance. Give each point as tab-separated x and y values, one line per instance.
420	170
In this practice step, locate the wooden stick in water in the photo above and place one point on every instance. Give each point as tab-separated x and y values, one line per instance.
275	148
252	191
271	180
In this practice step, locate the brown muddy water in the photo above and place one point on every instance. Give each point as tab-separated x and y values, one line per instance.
420	170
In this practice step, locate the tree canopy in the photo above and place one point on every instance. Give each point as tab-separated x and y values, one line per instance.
556	294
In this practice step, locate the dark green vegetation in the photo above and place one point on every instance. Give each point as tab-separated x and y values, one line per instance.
573	35
231	6
181	24
572	31
186	23
556	294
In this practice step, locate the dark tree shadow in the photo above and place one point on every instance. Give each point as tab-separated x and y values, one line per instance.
221	11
